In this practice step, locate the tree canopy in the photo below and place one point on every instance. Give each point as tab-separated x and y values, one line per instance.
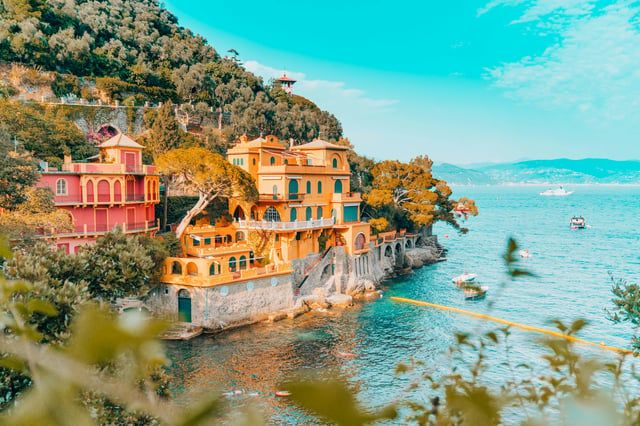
209	175
407	194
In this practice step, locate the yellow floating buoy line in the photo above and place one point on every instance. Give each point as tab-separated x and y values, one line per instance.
513	324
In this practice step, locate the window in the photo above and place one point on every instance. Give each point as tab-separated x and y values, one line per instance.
360	241
286	161
275	192
218	239
176	268
254	161
335	163
337	188
319	187
207	241
239	236
252	257
298	235
309	214
319	213
61	187
277	237
196	242
271	215
272	161
293	214
308	187
232	264
243	262
214	269
242	161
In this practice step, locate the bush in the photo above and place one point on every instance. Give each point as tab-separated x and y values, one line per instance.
65	84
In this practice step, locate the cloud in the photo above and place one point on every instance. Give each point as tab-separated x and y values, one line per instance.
316	89
537	9
593	68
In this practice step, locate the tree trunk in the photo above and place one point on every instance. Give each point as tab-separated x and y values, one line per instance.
220	120
202	204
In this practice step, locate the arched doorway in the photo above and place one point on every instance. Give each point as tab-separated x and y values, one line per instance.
238	213
360	241
337	187
184	306
293	189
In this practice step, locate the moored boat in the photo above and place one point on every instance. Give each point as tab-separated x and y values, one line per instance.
524	254
559	192
464	278
475	293
577	222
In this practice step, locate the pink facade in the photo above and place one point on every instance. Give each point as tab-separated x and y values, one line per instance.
117	191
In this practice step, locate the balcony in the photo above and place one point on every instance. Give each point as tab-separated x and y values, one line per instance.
286	226
99	198
104	168
347	197
293	196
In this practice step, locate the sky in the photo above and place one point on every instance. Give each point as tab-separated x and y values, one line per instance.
462	81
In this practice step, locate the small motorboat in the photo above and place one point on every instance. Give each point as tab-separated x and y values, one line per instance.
556	192
577	222
464	278
525	254
475	293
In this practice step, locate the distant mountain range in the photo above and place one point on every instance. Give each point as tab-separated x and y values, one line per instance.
560	171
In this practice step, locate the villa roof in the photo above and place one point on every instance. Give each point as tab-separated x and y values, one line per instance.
319	144
285	78
120	140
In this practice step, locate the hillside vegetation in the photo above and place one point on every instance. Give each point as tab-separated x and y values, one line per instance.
134	51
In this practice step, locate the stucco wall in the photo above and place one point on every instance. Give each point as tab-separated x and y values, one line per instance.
227	305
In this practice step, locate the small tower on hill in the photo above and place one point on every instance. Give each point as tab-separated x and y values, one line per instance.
286	83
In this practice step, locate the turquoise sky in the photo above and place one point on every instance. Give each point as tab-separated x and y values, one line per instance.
463	81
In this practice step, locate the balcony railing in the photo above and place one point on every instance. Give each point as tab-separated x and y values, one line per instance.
286	226
101	228
293	196
347	197
99	198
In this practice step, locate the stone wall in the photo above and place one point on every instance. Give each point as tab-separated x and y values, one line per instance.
227	305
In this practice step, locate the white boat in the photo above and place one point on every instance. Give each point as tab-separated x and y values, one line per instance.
476	293
524	254
464	278
556	192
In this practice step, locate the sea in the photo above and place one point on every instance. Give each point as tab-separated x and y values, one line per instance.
573	272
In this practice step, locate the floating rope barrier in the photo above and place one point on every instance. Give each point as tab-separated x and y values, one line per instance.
514	324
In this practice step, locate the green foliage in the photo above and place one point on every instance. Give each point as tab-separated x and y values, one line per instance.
118	265
18	172
42	132
66	84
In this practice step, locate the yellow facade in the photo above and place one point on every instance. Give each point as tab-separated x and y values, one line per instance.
304	205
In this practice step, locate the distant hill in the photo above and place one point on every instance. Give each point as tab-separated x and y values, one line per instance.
460	176
588	170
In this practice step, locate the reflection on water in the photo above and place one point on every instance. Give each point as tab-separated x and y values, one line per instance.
365	343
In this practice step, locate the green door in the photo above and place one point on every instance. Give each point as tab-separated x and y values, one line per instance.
184	306
293	189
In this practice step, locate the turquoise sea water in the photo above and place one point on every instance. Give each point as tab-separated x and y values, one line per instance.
364	344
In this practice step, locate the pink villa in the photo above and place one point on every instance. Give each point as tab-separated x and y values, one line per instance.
115	190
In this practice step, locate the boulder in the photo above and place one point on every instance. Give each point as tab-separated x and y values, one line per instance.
340	300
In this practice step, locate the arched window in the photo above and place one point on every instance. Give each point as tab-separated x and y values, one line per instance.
176	268
238	213
308	187
272	161
242	161
319	213
308	214
360	241
271	215
117	191
61	187
239	236
103	191
243	262
319	187
90	191
335	163
254	161
232	264
337	187
293	214
192	269
286	161
227	238
214	268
